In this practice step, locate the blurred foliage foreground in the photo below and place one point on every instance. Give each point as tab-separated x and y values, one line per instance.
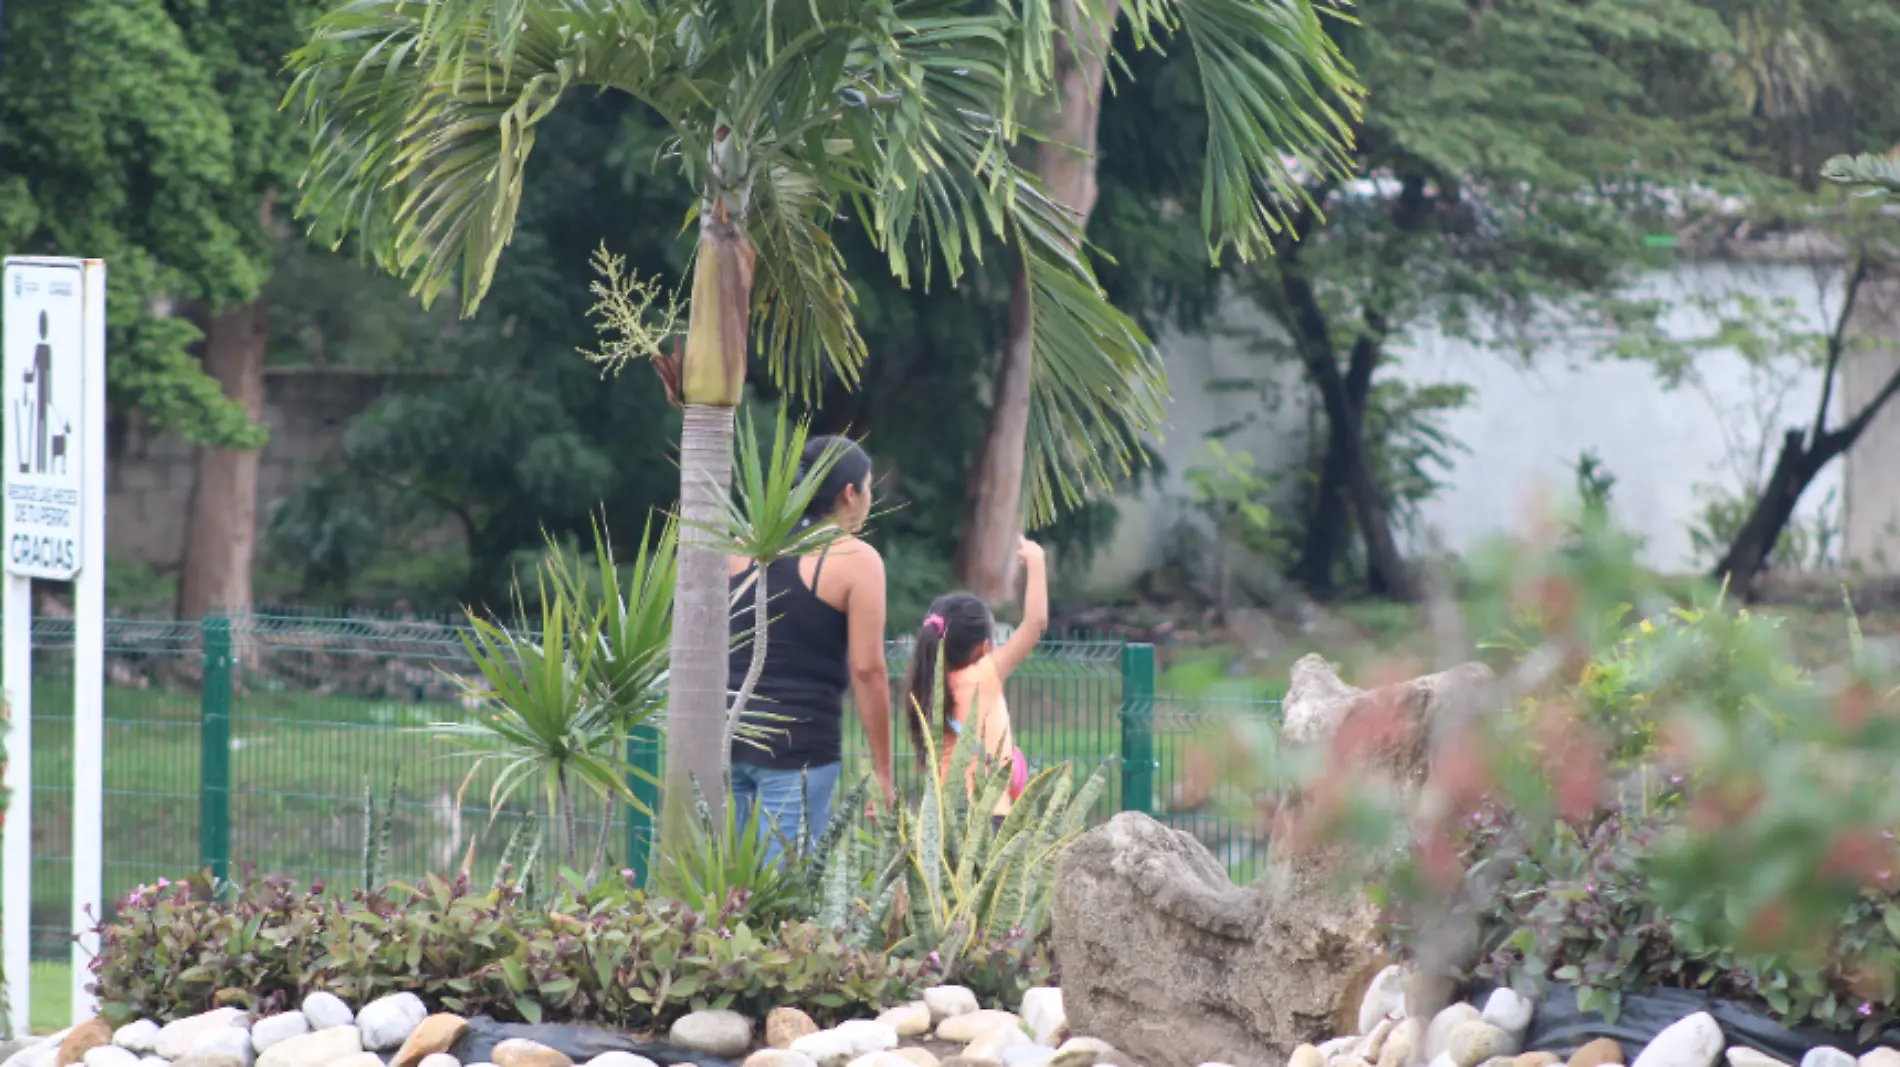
1645	794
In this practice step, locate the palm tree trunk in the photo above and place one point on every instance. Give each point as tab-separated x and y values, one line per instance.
712	378
992	515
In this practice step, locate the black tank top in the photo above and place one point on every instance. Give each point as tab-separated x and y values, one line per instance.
800	695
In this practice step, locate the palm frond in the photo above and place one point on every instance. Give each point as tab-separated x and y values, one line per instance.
803	305
1868	173
423	118
1282	110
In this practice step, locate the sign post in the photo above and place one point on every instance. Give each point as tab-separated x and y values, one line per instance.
54	386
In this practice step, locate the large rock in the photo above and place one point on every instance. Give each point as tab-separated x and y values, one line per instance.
1163	957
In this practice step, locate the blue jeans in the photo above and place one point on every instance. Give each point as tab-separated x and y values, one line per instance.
783	796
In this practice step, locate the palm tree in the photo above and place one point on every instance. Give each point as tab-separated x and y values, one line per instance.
783	116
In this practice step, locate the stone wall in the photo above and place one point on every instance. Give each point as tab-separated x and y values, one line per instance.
149	475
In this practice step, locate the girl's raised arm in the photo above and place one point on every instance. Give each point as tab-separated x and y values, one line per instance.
1035	611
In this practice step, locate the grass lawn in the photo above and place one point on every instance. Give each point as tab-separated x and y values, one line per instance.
52	997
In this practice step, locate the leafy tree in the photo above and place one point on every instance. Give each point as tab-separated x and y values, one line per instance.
781	116
1509	158
146	134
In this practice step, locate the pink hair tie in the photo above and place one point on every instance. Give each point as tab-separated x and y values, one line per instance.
935	621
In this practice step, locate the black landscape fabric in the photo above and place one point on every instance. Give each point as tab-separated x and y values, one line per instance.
578	1043
1560	1027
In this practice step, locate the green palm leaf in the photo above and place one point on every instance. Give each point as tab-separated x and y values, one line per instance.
1867	173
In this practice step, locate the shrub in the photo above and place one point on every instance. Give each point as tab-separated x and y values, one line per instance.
612	956
1575	906
1624	895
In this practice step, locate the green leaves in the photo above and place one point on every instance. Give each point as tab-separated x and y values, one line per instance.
555	705
610	957
772	490
1867	173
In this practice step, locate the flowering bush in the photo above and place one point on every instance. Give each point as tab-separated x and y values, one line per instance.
612	956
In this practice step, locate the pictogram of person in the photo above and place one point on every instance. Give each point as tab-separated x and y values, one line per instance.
41	374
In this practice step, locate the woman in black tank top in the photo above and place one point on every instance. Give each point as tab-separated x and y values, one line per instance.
815	647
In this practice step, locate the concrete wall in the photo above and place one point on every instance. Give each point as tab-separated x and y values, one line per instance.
149	475
1872	473
1529	421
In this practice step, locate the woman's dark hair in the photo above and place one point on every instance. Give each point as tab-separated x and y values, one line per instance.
851	467
950	639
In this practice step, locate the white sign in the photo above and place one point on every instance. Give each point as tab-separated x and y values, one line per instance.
44	418
53	327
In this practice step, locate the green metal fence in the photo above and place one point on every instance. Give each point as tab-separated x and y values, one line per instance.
249	743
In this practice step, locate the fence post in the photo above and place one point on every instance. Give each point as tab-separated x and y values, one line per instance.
214	753
1138	728
643	753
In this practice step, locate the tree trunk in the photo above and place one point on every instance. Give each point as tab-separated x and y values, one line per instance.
1386	571
1329	525
1804	454
214	573
1748	553
712	377
992	513
1801	461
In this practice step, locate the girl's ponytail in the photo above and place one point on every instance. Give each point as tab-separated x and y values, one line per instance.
925	690
954	635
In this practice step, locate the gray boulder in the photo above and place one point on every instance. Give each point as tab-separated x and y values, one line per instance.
1167	960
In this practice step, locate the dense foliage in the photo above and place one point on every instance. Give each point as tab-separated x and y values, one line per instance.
1664	798
1571	904
612	956
147	134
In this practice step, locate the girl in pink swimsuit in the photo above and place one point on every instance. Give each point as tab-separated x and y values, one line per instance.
959	631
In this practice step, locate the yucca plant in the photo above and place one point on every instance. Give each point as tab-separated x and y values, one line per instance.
549	716
731	867
379	831
966	880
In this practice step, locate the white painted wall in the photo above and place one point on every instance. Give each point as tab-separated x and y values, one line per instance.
1527	425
